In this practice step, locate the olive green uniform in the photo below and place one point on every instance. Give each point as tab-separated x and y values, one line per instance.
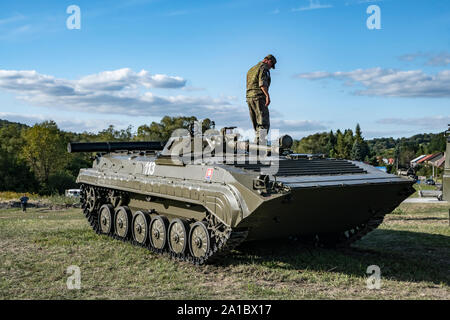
257	77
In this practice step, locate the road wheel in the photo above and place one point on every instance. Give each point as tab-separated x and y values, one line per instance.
158	232
140	228
106	219
199	240
122	222
178	236
92	199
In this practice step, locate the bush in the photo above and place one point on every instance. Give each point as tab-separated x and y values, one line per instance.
424	171
58	183
62	200
12	195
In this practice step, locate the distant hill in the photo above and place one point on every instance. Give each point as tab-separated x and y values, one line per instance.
348	145
423	143
6	122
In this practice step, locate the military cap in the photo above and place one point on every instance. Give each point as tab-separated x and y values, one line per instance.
272	58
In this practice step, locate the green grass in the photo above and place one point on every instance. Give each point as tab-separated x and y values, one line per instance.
55	199
411	247
422	186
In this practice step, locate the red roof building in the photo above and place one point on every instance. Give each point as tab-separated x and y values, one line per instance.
425	158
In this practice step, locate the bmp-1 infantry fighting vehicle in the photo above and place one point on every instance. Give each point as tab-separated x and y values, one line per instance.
199	195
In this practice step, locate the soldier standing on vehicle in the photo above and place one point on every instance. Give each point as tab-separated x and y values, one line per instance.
23	202
258	98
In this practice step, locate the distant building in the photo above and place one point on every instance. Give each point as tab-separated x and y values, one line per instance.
435	160
414	161
438	161
422	161
434	157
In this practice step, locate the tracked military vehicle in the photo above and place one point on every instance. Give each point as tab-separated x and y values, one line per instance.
198	196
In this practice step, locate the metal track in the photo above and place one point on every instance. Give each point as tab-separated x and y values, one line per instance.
346	238
225	239
221	242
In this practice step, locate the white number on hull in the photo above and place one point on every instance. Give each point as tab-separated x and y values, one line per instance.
149	168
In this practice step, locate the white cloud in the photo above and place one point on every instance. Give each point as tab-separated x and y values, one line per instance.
14	27
278	126
313	5
13	33
435	122
12	19
115	92
411	56
297	125
126	78
390	82
124	92
371	134
117	80
191	88
441	59
74	125
295	128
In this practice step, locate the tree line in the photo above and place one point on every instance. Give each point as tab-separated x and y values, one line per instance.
35	158
342	145
352	146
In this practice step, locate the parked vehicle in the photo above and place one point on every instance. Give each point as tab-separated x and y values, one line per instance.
73	193
201	204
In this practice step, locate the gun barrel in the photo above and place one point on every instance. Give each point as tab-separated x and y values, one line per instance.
115	146
284	142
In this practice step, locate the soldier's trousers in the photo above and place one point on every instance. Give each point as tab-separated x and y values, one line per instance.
259	114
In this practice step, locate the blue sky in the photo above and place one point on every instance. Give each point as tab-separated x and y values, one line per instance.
133	62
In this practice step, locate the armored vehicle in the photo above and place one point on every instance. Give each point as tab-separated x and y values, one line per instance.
198	196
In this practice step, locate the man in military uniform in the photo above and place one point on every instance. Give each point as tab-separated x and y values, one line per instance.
258	98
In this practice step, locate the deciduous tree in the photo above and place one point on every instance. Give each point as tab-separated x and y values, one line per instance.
44	150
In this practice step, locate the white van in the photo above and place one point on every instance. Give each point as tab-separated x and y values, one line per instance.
73	192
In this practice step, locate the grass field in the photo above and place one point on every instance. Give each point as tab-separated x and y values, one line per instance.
412	249
421	187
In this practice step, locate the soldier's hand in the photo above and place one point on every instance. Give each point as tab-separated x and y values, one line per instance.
267	101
